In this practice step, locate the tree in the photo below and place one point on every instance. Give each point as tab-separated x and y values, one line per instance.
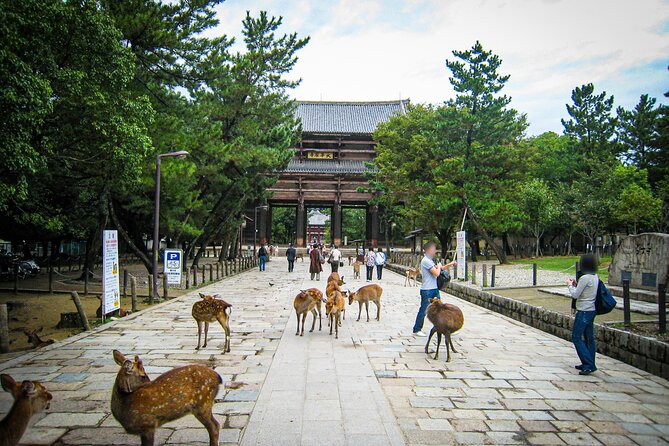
539	209
637	205
638	130
591	123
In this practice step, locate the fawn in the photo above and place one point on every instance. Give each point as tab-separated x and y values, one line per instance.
141	405
447	319
34	338
308	301
364	295
211	309
332	286
335	277
334	308
30	397
356	269
411	273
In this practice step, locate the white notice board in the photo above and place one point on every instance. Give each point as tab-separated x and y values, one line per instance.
110	284
460	251
173	266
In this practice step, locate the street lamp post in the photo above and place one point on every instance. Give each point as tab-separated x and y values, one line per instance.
255	224
156	218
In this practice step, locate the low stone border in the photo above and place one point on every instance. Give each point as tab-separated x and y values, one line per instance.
642	352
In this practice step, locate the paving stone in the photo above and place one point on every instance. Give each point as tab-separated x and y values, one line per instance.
430	424
543	438
578	439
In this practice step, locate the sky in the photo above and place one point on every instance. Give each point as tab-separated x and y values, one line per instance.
390	49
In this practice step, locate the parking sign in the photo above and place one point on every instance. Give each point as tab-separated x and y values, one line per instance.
173	266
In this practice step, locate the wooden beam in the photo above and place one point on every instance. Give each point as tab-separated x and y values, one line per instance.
315	181
326	150
334	141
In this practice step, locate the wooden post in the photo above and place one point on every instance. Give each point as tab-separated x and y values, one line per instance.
455	272
226	269
218	271
492	276
194	275
662	306
166	288
125	283
534	274
204	279
150	288
473	273
16	278
187	278
80	310
4	329
50	277
133	293
484	270
211	272
626	303
466	271
85	281
69	264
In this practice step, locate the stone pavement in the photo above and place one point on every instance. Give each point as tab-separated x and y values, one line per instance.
509	383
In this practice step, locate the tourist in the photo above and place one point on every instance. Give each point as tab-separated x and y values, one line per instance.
584	292
360	254
262	257
370	262
249	251
380	259
334	258
315	265
291	254
428	288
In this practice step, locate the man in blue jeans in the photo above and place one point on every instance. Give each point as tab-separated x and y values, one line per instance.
428	289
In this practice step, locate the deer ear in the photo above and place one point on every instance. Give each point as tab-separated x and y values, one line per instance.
202	296
118	357
216	296
138	361
28	388
8	383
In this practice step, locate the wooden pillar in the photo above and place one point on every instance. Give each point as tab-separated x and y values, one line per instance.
262	225
374	225
300	225
336	223
268	225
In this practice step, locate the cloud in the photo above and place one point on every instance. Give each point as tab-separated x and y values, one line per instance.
374	49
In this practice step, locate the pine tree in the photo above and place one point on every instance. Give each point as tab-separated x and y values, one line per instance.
638	129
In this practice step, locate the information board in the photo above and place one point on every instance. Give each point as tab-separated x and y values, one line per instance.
173	266
110	284
461	250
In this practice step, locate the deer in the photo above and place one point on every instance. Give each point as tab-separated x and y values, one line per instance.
411	273
364	295
332	286
300	256
30	397
141	405
447	319
34	338
308	301
334	308
356	269
211	309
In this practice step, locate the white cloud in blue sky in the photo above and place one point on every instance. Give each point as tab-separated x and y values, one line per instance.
377	50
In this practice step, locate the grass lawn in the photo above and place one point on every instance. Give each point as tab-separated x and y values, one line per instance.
566	264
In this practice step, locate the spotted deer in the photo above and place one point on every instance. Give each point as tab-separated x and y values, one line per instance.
447	319
308	301
364	295
211	309
30	397
141	405
35	339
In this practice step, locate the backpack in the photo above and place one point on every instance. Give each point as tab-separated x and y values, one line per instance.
604	301
443	278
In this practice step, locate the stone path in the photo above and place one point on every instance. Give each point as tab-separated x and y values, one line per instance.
509	383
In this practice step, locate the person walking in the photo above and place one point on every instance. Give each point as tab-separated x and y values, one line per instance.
334	258
360	254
584	293
315	265
380	260
428	287
370	262
291	254
262	257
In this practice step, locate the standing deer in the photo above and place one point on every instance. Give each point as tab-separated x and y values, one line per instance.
211	309
411	273
364	295
356	269
332	286
141	405
334	308
35	339
30	397
447	319
308	301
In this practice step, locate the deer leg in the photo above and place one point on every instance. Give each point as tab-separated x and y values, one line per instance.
320	322
451	341
429	338
313	324
378	310
147	438
304	319
337	322
344	313
199	334
436	355
210	423
331	321
447	341
225	323
367	309
206	332
297	333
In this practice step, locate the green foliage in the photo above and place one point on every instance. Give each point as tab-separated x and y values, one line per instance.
283	225
638	130
539	208
591	123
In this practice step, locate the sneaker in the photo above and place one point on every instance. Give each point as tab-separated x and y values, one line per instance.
579	367
586	372
420	334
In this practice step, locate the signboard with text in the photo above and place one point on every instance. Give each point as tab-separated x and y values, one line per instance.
173	266
111	300
320	155
460	251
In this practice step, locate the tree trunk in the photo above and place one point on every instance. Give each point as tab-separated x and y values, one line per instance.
537	250
444	236
501	255
128	240
473	248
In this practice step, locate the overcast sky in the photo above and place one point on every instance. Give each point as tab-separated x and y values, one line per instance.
380	50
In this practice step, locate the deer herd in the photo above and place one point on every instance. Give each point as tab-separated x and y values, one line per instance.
141	405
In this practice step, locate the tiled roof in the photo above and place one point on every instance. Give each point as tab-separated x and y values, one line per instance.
346	117
327	166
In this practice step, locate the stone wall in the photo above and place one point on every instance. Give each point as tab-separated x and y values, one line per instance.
644	259
645	353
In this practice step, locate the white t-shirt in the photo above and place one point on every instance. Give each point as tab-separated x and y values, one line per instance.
335	255
585	292
380	258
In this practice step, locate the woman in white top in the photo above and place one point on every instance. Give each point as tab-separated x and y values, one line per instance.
583	334
380	259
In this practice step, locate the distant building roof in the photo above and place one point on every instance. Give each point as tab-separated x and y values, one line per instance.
346	117
317	218
327	166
